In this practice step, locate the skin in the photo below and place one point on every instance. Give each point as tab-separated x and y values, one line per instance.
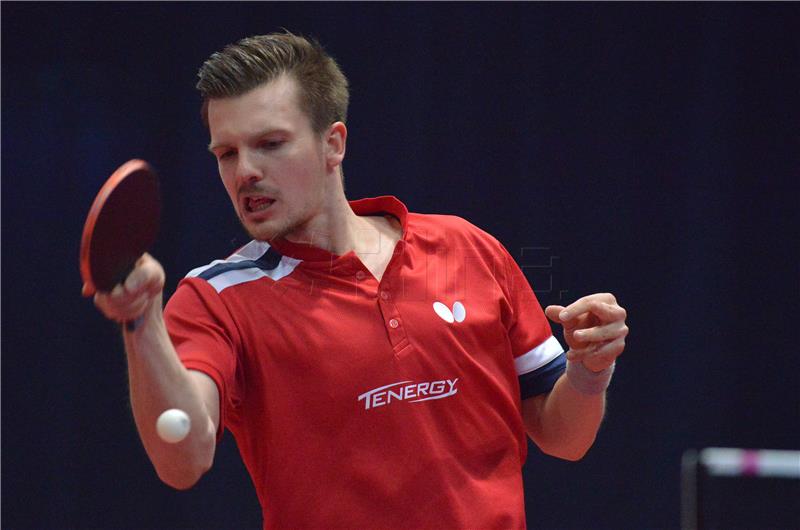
266	148
159	381
564	422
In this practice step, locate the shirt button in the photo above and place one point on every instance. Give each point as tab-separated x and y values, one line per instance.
360	275
384	295
394	323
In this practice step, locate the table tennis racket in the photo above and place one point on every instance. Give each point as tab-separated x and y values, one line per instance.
121	225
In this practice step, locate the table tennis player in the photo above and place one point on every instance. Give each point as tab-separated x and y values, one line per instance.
378	368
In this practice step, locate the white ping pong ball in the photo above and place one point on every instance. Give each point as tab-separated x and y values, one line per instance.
173	425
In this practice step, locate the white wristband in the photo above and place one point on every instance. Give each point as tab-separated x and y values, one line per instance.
587	382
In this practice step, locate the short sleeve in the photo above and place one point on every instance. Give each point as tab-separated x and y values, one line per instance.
206	339
538	356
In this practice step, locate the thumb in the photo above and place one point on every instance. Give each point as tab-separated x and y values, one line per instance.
552	312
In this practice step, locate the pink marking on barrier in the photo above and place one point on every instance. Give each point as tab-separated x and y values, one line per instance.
750	463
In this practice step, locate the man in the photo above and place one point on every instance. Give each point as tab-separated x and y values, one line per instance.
378	368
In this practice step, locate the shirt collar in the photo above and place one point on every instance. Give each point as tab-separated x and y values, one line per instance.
385	204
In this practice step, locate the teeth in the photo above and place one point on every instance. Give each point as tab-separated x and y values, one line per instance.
257	205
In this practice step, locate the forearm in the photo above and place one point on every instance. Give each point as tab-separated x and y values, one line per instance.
570	419
564	422
159	381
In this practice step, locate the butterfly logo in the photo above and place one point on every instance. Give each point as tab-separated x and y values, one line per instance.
457	314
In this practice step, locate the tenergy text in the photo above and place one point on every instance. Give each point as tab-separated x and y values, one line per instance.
406	390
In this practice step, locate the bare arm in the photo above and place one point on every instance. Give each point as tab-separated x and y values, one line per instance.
159	381
564	422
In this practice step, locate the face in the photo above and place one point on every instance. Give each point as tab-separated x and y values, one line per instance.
275	168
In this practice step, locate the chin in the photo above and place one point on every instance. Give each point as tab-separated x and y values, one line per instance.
266	231
262	234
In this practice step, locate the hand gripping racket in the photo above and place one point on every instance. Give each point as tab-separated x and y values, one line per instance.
121	225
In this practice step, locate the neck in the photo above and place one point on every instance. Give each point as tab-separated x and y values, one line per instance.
339	230
336	228
342	230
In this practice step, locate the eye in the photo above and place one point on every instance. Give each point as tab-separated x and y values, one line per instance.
226	154
270	144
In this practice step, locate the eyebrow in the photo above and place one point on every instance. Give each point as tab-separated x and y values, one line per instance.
260	134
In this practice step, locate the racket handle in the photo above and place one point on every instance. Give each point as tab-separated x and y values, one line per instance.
131	325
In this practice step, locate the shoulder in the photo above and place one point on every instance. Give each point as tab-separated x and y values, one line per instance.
453	230
253	261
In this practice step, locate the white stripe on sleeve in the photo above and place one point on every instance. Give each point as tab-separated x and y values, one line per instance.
539	356
235	277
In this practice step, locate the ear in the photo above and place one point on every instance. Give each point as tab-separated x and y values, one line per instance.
335	142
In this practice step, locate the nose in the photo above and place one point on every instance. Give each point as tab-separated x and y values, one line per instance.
247	171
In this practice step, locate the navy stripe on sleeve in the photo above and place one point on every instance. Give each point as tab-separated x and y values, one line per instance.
542	380
267	262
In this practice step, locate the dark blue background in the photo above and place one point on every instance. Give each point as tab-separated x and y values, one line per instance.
650	150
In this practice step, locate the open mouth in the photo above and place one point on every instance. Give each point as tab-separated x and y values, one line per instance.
257	204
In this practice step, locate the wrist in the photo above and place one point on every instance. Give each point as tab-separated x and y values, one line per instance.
152	314
586	381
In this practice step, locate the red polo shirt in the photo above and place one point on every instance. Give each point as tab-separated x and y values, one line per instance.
365	404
